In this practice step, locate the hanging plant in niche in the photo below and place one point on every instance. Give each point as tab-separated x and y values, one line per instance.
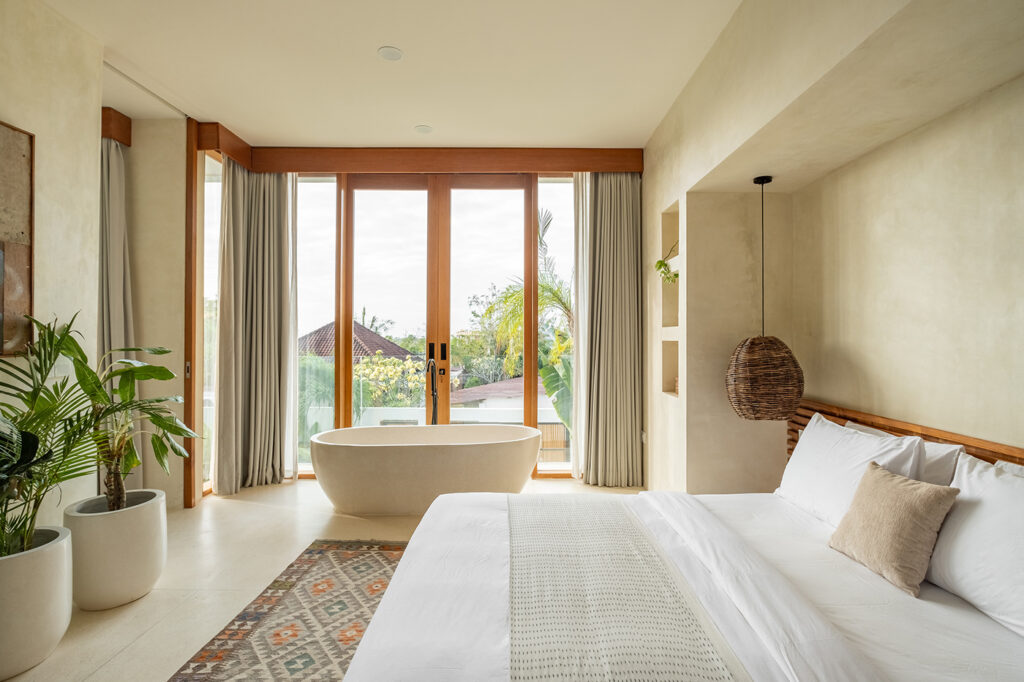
663	269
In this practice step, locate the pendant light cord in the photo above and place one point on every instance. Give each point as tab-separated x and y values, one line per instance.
762	260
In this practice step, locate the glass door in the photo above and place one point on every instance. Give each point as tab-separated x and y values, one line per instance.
388	300
442	268
487	301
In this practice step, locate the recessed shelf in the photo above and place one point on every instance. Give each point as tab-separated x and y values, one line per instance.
670	245
669	367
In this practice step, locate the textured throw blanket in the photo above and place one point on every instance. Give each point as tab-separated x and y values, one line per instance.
593	599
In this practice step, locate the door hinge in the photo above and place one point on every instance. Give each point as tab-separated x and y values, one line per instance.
188	369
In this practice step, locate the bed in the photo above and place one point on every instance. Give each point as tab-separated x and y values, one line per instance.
499	587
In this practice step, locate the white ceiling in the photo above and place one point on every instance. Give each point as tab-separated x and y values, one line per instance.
554	73
125	95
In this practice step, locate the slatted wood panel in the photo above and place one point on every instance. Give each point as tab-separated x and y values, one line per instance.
982	449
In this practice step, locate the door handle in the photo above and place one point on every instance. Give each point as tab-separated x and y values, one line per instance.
430	350
444	352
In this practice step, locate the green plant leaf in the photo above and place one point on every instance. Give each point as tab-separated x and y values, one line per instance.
126	388
71	348
169	423
142	370
152	350
177	448
90	383
160	451
130	460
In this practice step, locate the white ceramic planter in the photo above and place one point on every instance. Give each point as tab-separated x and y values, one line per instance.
35	600
119	555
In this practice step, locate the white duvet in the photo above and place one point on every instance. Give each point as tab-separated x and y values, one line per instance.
445	615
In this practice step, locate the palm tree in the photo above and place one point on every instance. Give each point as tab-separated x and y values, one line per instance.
554	305
554	296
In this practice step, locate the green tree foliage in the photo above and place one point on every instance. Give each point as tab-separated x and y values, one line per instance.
554	303
316	389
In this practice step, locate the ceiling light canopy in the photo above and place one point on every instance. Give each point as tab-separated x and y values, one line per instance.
389	53
423	129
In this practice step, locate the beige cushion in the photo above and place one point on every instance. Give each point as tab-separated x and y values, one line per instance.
892	526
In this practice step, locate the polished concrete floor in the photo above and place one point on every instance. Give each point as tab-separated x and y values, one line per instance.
220	555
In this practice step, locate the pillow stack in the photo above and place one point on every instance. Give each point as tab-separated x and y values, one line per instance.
865	483
912	510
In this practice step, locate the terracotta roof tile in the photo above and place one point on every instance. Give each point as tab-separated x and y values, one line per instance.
364	343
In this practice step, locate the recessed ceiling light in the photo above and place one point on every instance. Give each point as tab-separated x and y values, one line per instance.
389	53
424	128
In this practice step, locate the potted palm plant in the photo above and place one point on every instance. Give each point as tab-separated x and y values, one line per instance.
45	440
120	537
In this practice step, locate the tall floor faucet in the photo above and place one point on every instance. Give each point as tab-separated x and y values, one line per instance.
432	370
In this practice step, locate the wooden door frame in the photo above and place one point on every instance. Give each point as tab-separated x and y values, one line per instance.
192	493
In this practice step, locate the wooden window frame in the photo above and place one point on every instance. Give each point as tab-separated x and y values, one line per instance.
387	168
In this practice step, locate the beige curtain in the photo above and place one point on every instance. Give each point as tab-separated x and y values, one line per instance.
581	276
611	438
116	329
255	347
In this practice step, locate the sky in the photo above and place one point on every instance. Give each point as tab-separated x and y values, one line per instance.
391	245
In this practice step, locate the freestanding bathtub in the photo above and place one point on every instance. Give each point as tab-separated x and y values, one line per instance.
399	470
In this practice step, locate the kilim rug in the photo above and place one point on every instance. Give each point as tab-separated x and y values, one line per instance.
307	623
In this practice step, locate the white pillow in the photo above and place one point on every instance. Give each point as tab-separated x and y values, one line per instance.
829	460
980	551
939	460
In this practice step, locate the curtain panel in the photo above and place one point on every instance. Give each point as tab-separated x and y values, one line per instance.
610	303
255	353
116	326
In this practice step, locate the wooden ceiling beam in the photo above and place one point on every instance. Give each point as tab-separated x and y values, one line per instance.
116	126
215	137
444	160
541	160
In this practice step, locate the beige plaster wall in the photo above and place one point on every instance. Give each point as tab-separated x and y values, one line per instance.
770	53
50	86
909	278
726	454
156	225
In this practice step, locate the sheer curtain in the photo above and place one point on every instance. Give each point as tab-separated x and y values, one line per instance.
255	363
581	272
116	328
609	305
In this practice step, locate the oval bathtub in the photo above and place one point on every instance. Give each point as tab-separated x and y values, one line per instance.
399	470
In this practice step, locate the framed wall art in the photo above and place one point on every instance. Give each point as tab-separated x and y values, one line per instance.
17	161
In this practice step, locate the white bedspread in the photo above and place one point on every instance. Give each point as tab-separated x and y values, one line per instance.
445	615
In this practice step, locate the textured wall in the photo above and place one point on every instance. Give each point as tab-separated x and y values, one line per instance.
156	220
50	86
770	53
726	454
909	288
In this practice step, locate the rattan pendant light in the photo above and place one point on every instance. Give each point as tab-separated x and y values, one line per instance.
764	380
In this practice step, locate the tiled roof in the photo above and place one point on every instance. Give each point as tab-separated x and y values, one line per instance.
364	343
507	388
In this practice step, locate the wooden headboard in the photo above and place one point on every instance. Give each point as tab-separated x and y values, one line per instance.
982	449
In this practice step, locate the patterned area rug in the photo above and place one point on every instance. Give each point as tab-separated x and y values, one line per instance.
307	623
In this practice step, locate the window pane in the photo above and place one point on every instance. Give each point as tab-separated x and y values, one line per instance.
487	306
316	234
389	307
211	306
555	328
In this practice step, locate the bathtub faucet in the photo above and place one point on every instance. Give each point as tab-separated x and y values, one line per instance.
432	370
